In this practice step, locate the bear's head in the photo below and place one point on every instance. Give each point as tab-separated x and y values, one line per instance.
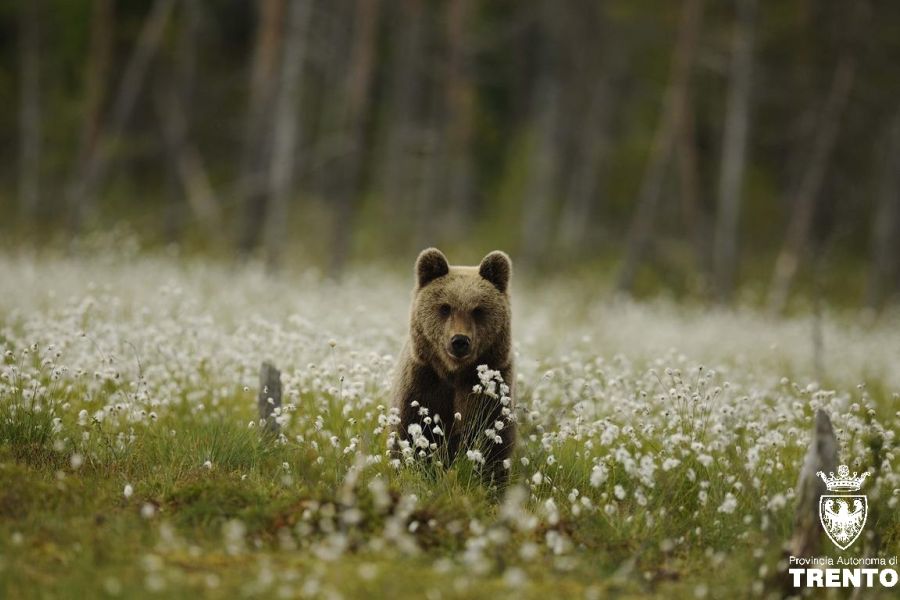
461	315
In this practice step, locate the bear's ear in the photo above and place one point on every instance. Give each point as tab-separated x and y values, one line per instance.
430	265
496	268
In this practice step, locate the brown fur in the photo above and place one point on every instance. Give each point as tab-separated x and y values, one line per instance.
478	301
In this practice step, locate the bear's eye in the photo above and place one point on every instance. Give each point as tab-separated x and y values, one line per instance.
444	310
478	313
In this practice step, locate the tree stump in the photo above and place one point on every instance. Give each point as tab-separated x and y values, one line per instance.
821	456
269	398
806	539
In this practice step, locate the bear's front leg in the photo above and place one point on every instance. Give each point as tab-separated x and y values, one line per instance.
499	445
488	425
424	399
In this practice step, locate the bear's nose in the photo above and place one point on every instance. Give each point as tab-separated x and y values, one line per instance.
460	345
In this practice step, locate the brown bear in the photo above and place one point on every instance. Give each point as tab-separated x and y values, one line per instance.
448	400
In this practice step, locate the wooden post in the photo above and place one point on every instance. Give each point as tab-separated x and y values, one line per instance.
269	397
806	539
821	456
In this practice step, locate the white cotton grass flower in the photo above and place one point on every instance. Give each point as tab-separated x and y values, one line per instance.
729	504
670	463
515	577
128	491
599	475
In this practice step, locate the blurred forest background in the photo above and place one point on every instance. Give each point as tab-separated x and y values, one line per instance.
701	148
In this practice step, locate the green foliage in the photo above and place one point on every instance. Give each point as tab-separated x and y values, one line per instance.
472	93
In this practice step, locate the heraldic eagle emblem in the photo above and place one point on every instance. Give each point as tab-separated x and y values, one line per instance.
843	516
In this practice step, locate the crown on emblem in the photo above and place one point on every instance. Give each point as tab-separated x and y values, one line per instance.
843	482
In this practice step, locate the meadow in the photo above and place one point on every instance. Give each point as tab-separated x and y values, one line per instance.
659	443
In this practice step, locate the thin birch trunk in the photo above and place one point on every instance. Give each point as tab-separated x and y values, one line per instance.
287	130
96	77
355	113
797	236
734	146
398	186
253	179
577	217
689	192
30	109
796	240
187	163
674	106
542	183
460	124
81	195
543	170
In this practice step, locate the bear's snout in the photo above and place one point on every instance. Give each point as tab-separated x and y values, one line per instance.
460	346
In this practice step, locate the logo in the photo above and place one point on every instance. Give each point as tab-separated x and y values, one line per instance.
843	515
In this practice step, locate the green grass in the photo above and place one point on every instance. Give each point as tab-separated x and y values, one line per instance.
72	533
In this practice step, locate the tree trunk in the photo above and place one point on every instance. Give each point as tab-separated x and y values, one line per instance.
82	192
96	77
577	215
286	130
543	143
186	162
399	188
355	112
689	191
828	127
253	180
186	69
821	457
30	109
797	235
460	125
430	207
886	224
543	171
330	60
674	106
734	145
172	100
